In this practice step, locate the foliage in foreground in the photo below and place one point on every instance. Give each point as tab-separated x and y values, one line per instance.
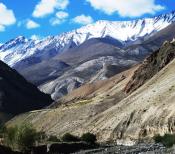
69	138
21	137
167	140
87	137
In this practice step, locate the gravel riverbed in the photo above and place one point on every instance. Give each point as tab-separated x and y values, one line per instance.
135	149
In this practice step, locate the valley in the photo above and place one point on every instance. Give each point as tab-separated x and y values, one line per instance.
111	79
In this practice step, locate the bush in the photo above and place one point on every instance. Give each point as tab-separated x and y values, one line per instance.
167	140
21	137
10	136
70	138
3	129
89	138
158	139
53	139
26	136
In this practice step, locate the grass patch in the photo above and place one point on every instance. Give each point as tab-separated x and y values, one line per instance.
83	102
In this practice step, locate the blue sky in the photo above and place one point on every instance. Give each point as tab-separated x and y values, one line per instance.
40	18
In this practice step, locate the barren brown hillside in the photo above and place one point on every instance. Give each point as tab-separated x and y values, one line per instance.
105	110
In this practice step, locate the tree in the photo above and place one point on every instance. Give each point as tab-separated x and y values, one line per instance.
70	138
89	138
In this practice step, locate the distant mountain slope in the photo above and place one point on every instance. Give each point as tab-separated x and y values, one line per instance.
44	71
93	60
17	95
95	52
148	44
91	49
112	114
166	34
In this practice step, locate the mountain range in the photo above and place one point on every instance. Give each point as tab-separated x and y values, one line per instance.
124	31
113	79
133	105
62	63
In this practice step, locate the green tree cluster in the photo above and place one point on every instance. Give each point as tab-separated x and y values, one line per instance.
87	137
21	137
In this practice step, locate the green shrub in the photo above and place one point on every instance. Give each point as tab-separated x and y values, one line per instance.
158	138
53	139
167	140
3	129
70	138
89	138
26	136
10	136
21	137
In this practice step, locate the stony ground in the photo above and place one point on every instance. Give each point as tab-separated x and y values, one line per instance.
136	149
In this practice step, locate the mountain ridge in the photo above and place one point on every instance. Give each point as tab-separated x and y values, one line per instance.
133	30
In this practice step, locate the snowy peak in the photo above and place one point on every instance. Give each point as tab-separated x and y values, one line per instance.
14	42
123	31
169	17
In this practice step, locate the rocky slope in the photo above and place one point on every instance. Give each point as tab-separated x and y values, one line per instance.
92	61
17	95
106	110
152	65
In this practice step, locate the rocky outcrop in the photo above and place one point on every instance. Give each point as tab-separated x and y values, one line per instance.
151	65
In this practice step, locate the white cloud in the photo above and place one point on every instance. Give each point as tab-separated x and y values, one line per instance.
83	19
46	7
7	17
56	21
59	18
62	15
31	24
126	8
2	28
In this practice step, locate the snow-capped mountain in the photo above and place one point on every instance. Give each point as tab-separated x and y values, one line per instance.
21	48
